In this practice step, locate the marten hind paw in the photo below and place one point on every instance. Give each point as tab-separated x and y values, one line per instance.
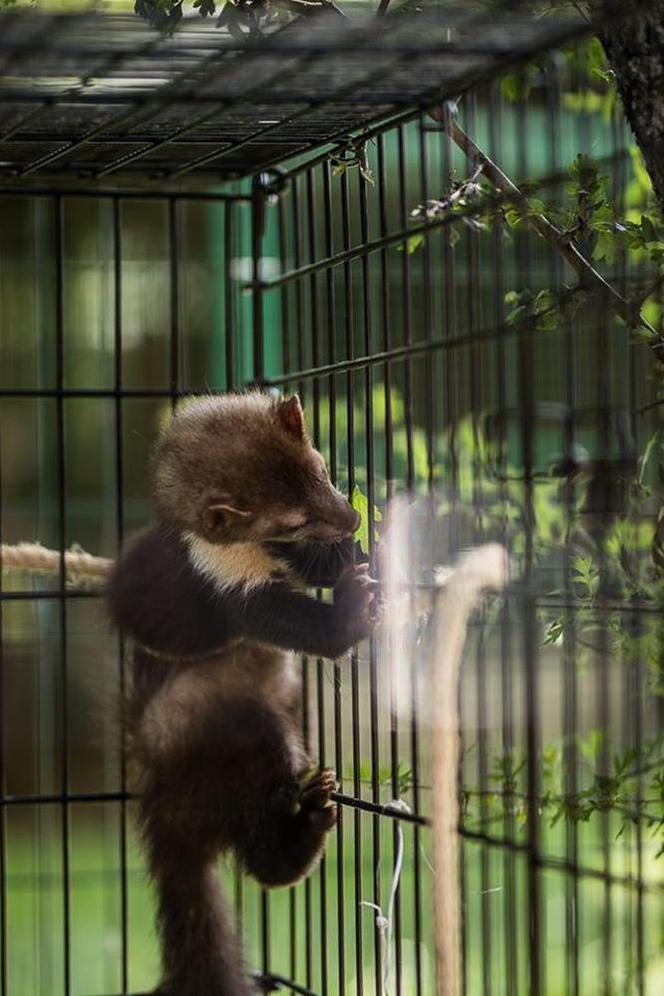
317	788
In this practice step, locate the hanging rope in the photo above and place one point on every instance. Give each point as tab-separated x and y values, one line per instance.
485	568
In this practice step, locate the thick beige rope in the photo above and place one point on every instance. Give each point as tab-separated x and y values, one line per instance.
455	598
37	559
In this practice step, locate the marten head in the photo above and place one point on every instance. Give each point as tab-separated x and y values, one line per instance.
241	468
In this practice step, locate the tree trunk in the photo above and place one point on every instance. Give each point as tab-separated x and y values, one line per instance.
634	44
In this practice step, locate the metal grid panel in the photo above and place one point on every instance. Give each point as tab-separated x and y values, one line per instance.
408	369
94	96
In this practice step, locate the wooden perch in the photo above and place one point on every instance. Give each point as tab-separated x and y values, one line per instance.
37	559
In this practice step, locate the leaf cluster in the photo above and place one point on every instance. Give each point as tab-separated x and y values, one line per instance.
628	783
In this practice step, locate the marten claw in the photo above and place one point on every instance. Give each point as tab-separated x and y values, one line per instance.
317	790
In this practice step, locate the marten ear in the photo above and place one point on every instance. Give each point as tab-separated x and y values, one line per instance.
291	417
219	519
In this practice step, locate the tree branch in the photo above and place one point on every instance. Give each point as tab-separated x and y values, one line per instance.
589	277
632	35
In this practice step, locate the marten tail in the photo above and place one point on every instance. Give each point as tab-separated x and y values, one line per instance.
200	953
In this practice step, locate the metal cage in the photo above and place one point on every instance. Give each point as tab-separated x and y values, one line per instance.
418	373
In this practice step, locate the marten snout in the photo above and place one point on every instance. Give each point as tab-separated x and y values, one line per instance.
341	515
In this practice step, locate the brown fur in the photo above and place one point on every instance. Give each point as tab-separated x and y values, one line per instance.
246	453
213	596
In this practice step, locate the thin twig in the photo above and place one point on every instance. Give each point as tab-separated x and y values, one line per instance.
646	408
431	208
586	272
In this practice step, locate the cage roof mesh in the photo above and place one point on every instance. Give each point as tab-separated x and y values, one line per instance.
98	95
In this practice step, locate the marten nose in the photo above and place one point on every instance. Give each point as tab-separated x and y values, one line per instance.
357	521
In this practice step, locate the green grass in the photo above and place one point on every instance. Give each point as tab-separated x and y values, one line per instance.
35	913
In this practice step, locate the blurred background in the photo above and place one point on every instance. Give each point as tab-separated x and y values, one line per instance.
452	362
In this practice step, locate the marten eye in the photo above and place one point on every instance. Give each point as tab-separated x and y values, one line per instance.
293	525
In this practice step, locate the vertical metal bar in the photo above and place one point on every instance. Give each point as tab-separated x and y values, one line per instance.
265	932
407	335
313	302
406	274
427	297
526	381
337	674
286	361
506	656
315	326
258	204
355	706
386	344
285	317
238	902
229	325
308	940
58	248
119	497
634	673
174	286
299	308
570	683
292	931
3	836
299	328
603	659
450	325
570	687
371	501
476	407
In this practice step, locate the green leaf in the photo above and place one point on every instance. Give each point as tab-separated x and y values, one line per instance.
360	503
412	244
554	632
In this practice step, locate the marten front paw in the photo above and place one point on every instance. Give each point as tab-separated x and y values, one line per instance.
356	599
315	798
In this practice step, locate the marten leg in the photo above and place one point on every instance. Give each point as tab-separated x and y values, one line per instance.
271	809
239	777
286	845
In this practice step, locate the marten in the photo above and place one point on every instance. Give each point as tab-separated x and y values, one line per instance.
214	599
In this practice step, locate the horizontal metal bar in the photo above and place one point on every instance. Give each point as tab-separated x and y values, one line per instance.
117	193
516	591
270	982
560	864
403	235
388	810
399	352
39	595
94	392
64	797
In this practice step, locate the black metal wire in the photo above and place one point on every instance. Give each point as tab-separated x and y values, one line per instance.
250	111
119	498
3	822
58	252
342	247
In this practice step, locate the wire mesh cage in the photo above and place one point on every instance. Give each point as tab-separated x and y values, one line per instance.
441	350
